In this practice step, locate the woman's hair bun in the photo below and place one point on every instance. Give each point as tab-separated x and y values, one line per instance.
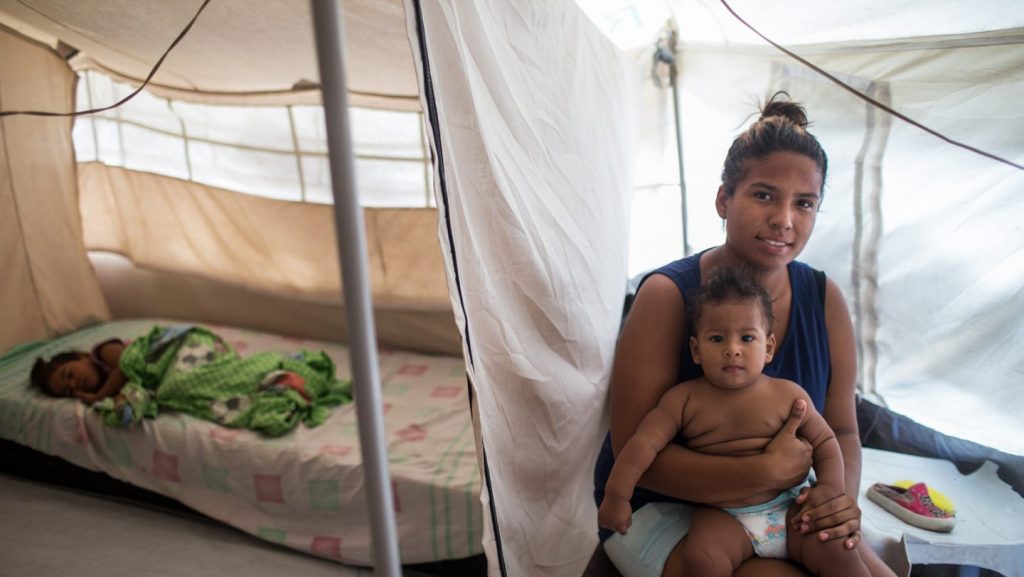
780	105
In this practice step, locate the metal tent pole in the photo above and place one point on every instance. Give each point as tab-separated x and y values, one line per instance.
666	52
328	25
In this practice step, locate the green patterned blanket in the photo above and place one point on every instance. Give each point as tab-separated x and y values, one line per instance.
190	369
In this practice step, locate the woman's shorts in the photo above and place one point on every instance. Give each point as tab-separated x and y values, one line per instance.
656	530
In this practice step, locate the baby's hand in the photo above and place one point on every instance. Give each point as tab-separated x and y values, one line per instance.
615	514
87	398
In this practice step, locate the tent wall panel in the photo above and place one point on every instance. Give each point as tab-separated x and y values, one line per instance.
199	252
922	236
135	292
49	286
532	121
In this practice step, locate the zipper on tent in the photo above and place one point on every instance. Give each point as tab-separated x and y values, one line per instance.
428	92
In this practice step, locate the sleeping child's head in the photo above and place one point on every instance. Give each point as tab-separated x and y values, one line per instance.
66	374
731	335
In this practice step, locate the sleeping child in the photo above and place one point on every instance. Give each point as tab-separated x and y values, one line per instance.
191	369
89	377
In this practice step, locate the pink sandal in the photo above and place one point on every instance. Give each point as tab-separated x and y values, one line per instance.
913	505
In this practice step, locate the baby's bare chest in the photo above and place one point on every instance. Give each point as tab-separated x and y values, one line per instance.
735	424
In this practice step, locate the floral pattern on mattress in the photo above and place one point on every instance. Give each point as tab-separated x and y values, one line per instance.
304	490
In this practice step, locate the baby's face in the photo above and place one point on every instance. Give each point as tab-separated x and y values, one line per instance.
732	344
77	376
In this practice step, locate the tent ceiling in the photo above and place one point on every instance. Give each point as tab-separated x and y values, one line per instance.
632	23
235	46
244	46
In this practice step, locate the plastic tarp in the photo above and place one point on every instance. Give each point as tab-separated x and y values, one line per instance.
532	134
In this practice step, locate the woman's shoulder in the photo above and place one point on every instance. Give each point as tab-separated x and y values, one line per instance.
684	273
809	284
803	268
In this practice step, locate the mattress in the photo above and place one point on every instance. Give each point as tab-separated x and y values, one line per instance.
304	490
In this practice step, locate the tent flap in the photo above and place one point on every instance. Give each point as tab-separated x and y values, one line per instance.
532	117
49	287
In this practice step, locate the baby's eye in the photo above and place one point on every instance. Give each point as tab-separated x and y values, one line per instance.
762	195
748	338
806	204
716	339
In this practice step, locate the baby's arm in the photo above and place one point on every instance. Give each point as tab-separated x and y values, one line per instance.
110	352
827	455
815	552
657	429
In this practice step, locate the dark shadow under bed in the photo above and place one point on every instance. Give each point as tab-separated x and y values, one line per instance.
21	461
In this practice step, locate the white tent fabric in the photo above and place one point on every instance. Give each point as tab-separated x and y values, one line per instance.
633	23
238	50
533	121
533	139
923	237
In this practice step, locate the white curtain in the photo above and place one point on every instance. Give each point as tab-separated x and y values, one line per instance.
533	146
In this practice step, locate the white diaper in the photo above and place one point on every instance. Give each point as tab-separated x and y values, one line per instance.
766	523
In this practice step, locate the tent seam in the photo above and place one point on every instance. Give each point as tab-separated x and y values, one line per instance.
428	93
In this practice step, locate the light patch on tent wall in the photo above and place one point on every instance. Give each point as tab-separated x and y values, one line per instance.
276	152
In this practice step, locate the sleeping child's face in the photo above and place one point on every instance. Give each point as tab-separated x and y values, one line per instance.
79	375
732	343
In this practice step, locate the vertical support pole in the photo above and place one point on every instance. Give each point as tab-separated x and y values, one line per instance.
665	53
673	76
328	25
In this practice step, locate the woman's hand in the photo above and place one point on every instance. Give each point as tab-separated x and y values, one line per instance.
834	514
789	456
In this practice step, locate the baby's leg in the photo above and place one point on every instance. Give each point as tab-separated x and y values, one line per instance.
715	545
822	558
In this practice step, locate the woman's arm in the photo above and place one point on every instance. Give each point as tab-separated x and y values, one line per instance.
646	365
840	517
841	402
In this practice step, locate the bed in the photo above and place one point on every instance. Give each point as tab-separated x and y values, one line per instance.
303	490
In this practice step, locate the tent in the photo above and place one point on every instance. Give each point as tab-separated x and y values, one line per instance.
536	124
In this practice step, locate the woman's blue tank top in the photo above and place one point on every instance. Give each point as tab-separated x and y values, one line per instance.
803	356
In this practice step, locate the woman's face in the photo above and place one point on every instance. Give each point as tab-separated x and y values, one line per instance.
770	216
